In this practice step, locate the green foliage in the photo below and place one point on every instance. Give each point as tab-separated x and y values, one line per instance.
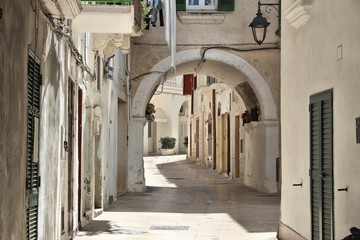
144	11
167	142
150	109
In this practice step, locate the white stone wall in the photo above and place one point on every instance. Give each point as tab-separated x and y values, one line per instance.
318	56
169	103
258	163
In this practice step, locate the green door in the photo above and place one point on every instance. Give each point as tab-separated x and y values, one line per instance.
32	164
321	134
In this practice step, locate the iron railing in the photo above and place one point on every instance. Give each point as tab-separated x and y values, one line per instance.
173	83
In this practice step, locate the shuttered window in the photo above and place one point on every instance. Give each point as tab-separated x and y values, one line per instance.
32	168
223	5
226	5
187	84
180	5
321	123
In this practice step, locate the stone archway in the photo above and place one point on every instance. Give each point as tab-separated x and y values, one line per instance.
241	67
261	88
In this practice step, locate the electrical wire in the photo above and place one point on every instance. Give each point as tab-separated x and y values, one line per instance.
233	49
34	7
57	26
147	73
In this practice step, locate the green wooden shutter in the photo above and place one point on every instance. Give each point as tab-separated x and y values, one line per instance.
180	5
315	169
32	166
226	5
327	168
321	165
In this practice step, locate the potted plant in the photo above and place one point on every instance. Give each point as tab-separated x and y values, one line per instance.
149	112
167	145
245	116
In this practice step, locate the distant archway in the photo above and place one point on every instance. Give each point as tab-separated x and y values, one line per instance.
233	71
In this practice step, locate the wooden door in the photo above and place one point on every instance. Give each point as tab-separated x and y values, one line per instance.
219	145
80	95
213	109
197	138
237	147
70	156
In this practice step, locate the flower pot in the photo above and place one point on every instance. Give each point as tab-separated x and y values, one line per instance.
254	116
246	119
150	117
167	151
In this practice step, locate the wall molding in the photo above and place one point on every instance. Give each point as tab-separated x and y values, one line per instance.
202	17
298	14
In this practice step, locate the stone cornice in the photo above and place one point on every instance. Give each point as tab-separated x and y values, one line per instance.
298	14
201	17
109	42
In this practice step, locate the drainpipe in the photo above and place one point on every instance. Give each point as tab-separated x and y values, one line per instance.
127	77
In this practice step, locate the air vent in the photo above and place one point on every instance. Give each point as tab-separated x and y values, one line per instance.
169	228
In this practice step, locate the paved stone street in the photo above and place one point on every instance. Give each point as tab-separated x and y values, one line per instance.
186	201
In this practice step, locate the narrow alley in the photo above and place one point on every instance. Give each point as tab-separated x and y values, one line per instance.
187	201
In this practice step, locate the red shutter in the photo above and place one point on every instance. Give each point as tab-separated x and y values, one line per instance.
188	84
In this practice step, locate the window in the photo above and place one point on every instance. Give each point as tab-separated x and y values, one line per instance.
211	5
201	4
210	80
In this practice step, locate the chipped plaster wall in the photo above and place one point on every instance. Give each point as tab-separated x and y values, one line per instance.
21	33
53	159
58	67
55	60
114	97
16	25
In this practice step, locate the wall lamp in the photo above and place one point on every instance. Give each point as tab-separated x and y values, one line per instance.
259	24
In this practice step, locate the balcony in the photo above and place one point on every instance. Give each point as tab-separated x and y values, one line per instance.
108	16
172	86
68	9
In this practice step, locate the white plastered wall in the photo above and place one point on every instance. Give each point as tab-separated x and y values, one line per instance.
318	56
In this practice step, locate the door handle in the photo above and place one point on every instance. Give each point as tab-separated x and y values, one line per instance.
323	174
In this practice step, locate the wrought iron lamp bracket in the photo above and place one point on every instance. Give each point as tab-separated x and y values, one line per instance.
268	6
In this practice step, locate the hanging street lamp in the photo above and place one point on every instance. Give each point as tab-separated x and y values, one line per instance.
259	24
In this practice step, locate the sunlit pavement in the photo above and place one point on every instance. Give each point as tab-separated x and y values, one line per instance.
187	201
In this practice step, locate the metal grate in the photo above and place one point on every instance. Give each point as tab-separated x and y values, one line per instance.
169	228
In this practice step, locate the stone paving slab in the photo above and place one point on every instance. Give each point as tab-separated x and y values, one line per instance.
185	201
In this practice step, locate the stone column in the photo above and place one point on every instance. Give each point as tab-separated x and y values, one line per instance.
136	178
272	153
